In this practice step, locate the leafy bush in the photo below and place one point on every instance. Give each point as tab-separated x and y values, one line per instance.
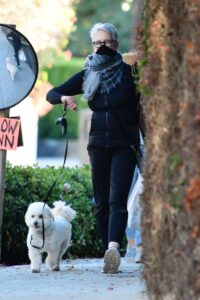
59	72
24	185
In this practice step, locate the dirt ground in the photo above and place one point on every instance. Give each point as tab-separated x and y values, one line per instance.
78	279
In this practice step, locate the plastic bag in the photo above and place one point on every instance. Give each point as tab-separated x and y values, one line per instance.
133	205
22	56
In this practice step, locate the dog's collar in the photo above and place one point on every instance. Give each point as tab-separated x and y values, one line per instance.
45	232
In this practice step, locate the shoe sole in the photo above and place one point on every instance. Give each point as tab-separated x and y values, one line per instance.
111	261
138	261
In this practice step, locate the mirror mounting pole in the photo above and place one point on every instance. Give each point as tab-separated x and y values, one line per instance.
18	77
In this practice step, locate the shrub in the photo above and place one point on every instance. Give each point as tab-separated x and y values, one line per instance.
24	185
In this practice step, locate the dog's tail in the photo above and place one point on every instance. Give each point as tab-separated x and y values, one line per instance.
65	211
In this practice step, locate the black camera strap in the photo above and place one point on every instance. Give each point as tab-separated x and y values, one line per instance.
64	131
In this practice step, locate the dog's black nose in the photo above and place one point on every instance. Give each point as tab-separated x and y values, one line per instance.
35	223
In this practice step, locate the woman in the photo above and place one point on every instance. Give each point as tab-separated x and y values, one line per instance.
17	45
108	85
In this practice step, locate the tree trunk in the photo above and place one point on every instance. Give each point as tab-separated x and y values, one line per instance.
171	199
137	23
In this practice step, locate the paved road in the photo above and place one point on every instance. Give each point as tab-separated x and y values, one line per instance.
78	280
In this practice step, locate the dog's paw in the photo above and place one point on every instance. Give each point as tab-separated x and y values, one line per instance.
35	271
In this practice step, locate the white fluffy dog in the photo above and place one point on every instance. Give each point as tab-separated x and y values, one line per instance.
50	232
11	68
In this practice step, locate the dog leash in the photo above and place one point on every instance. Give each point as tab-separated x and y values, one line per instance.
63	122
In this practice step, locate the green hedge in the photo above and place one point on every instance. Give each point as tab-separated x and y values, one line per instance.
61	70
24	185
58	73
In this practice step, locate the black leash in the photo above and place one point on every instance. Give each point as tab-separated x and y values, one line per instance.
63	122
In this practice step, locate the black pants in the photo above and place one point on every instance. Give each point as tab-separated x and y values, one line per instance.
112	174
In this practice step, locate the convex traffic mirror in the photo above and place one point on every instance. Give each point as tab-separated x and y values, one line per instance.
18	67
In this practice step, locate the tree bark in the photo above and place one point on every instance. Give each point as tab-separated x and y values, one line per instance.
171	199
137	23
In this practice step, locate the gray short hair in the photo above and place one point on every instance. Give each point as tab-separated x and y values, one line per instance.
105	27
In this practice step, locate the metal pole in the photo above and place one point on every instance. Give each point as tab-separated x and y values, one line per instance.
3	113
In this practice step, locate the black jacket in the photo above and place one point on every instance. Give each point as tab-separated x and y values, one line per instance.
116	117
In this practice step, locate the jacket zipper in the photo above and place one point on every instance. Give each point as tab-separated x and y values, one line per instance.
106	105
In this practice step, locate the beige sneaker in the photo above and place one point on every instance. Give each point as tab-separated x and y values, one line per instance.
112	260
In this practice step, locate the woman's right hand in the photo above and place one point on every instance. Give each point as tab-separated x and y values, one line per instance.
69	102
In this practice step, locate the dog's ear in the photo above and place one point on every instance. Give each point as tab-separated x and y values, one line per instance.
51	215
26	217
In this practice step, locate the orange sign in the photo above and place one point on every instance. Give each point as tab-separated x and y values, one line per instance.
9	133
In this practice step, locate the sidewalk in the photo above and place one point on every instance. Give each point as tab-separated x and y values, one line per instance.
79	279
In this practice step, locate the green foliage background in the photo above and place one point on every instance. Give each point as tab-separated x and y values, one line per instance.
90	12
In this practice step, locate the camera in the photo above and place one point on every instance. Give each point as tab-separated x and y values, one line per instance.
63	123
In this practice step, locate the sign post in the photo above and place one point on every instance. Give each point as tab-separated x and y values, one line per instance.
4	113
17	78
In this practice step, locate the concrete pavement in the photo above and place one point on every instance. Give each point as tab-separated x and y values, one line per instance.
79	279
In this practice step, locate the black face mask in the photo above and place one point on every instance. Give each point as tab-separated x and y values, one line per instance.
104	50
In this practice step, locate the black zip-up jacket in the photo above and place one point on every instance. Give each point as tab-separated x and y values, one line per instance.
116	117
16	39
